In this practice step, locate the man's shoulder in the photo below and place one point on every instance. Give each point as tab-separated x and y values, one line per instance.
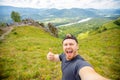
61	56
79	58
80	62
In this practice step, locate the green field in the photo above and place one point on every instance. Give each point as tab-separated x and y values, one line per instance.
103	52
23	53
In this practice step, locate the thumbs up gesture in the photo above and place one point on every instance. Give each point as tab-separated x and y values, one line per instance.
50	55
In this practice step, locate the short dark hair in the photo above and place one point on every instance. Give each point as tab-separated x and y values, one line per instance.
70	36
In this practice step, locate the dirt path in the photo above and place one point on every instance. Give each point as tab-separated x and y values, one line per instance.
8	30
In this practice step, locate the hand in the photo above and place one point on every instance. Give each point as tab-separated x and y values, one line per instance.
50	55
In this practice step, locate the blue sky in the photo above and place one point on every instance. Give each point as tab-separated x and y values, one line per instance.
60	4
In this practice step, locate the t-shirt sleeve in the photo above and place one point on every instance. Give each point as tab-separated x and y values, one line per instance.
61	56
81	64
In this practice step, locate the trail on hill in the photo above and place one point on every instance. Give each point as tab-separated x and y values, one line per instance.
8	30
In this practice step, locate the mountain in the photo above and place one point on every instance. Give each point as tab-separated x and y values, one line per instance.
45	15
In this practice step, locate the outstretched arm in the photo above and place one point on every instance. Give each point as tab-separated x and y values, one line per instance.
88	73
52	57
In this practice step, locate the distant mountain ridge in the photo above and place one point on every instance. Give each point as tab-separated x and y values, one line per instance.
48	14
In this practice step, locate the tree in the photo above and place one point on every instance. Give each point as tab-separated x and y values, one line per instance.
53	29
15	16
117	22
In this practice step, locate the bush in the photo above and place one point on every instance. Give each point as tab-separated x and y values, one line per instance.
2	24
117	22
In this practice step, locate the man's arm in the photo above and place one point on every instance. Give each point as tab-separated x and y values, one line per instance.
88	73
53	57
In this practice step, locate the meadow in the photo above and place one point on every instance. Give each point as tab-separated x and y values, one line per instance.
101	47
23	53
103	52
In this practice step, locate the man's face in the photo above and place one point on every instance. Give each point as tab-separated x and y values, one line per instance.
70	48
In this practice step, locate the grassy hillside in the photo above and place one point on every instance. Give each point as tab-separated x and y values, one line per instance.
23	55
76	29
107	26
113	24
103	52
101	48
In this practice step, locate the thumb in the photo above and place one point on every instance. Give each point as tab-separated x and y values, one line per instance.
50	49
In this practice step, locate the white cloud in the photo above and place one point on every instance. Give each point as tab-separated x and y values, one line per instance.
99	4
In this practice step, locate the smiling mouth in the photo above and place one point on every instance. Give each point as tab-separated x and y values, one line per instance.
69	52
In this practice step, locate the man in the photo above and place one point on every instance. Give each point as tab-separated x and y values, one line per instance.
74	67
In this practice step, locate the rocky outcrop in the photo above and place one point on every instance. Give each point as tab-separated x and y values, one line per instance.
53	30
26	22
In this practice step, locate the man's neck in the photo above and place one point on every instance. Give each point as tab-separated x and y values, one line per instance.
72	58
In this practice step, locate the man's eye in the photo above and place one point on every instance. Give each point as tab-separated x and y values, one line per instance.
70	44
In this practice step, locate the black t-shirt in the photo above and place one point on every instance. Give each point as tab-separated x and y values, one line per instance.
70	69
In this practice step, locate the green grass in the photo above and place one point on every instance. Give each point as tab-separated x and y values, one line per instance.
103	52
107	26
78	28
23	55
101	48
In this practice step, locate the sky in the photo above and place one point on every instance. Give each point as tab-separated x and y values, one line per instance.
60	4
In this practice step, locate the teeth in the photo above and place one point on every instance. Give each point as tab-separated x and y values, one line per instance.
69	51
